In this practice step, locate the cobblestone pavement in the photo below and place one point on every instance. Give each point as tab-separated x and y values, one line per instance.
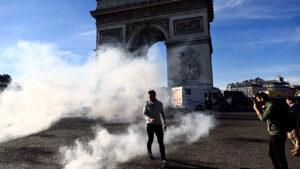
238	142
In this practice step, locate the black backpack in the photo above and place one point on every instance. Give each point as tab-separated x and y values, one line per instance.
286	118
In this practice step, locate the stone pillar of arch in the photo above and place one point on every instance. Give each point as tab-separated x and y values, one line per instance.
184	26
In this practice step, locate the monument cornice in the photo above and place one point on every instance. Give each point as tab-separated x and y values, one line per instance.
148	9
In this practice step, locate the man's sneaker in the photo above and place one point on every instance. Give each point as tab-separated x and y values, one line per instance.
150	156
164	164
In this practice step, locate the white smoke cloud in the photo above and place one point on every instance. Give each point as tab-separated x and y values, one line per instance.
191	127
113	86
122	85
29	111
108	150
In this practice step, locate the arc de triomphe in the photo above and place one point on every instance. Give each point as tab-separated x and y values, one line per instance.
183	25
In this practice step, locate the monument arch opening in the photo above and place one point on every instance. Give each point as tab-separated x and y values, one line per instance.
157	54
144	36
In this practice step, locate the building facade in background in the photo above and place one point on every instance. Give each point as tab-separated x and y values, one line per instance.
274	88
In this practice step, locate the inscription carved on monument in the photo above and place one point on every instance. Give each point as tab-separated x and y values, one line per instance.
190	65
188	26
111	36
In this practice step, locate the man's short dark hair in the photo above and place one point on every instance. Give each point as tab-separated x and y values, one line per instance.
152	92
263	95
290	98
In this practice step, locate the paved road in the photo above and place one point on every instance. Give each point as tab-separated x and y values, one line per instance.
238	142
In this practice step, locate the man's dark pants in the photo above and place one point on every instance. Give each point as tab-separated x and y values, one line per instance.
277	151
157	129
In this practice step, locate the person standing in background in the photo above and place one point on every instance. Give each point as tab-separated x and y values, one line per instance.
294	135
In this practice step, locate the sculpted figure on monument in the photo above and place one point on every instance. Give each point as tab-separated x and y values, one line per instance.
190	65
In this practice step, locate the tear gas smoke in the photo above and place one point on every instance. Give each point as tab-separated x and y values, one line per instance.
191	127
108	150
113	87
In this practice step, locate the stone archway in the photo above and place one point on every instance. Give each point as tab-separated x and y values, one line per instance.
184	26
143	36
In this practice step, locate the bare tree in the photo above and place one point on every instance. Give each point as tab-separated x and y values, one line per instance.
5	80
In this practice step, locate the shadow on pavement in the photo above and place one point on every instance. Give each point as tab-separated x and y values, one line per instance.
26	154
252	140
174	164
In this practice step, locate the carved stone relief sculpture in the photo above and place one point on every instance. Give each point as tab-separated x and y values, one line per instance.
188	26
190	65
111	36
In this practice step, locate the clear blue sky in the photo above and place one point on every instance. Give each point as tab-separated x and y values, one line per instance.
250	37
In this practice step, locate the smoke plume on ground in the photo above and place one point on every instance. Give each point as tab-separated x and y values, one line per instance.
53	84
108	150
190	127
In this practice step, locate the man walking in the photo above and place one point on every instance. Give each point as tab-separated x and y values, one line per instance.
294	134
269	111
154	114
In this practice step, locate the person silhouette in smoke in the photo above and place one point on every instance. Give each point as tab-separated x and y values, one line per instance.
154	115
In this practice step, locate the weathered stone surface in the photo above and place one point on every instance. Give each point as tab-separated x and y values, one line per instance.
190	64
119	13
104	4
